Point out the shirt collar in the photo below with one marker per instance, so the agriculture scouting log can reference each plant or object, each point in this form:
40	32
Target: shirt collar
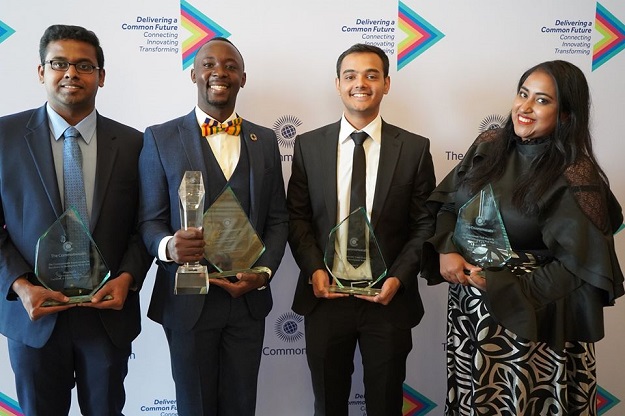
58	125
201	116
373	129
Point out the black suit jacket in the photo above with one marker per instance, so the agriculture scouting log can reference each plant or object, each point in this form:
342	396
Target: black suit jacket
399	217
31	202
169	150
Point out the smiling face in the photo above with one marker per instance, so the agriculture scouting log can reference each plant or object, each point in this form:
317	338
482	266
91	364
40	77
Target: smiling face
219	74
535	108
361	85
71	94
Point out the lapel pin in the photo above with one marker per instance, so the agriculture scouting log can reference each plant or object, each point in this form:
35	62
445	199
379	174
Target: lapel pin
253	137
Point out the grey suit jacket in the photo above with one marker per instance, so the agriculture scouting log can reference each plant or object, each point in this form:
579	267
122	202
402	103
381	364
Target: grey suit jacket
169	150
31	202
399	217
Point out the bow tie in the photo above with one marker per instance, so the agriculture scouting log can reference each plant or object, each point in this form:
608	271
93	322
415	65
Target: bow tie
232	127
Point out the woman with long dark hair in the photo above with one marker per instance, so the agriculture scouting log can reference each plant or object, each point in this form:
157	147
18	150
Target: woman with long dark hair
521	337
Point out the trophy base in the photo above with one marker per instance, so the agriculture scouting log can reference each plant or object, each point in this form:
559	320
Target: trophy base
191	280
229	274
73	300
364	291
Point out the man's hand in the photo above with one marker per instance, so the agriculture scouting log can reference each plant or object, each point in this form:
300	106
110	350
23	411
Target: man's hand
33	297
389	289
186	246
321	282
245	282
113	294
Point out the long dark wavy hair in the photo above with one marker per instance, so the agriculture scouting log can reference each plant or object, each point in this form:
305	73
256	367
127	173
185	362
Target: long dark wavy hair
570	141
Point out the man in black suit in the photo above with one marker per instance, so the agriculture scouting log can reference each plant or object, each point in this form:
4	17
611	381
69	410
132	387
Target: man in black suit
399	178
54	348
215	340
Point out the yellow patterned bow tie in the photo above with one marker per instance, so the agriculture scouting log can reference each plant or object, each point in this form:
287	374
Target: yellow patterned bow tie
232	127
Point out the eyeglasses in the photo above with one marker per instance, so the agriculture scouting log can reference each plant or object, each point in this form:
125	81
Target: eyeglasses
81	67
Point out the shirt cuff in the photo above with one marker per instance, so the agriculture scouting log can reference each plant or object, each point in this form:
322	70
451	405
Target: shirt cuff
162	249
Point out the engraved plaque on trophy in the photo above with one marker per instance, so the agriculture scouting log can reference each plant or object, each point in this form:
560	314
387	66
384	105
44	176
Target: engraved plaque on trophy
353	256
192	277
480	234
67	260
231	244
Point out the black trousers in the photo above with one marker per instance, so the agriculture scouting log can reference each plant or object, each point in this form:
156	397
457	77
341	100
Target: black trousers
333	330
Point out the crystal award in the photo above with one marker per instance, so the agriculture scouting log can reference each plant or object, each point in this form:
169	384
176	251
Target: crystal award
67	260
480	234
192	277
231	244
353	256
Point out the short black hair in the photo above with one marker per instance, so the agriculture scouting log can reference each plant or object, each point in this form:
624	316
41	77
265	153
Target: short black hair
222	39
362	48
62	32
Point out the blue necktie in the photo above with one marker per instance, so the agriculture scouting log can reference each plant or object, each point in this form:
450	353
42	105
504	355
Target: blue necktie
72	174
74	195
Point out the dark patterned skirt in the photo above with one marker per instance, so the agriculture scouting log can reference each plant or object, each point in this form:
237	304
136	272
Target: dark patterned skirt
491	371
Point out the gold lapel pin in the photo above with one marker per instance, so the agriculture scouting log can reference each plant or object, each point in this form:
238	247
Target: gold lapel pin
253	137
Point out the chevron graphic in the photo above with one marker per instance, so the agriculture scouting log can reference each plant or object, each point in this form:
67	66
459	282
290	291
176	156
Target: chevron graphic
9	407
415	404
612	41
605	401
420	35
202	29
5	31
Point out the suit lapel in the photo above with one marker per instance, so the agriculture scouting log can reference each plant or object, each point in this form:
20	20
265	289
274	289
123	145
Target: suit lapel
107	153
390	151
327	166
251	144
38	142
190	137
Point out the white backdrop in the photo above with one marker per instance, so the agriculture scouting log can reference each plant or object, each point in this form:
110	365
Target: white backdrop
465	80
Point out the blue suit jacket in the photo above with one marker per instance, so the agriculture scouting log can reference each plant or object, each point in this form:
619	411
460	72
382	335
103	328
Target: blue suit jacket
31	202
169	150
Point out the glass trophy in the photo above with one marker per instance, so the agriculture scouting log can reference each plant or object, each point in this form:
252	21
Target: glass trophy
67	260
353	256
232	245
192	277
480	234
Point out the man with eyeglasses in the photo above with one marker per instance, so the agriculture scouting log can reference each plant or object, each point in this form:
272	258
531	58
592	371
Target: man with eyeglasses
53	348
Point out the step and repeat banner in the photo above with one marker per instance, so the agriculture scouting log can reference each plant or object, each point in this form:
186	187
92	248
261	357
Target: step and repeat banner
454	69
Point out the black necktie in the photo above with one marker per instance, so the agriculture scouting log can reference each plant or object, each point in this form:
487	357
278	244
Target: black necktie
356	252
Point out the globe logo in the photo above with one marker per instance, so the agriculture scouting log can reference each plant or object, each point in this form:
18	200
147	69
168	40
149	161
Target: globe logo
494	121
287	327
285	128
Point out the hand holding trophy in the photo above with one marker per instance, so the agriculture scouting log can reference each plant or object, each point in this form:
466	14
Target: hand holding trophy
192	277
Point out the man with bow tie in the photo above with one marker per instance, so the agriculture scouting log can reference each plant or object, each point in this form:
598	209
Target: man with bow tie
215	340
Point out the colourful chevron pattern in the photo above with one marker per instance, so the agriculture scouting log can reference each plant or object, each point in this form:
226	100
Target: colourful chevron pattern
420	35
605	401
202	29
9	407
612	39
5	31
415	404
